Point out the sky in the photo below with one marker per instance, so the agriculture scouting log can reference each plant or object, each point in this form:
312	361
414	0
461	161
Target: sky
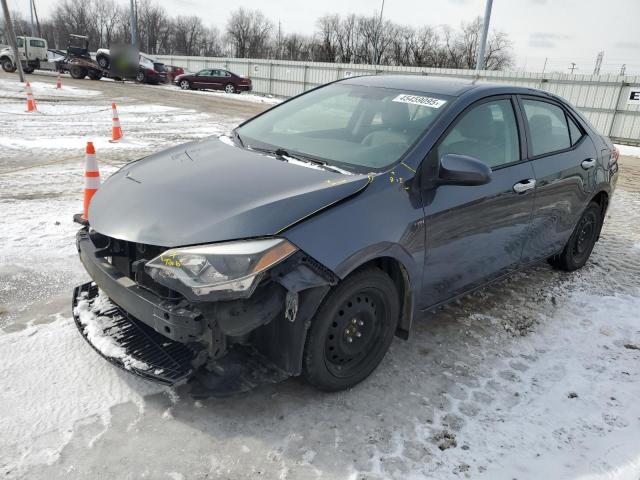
563	31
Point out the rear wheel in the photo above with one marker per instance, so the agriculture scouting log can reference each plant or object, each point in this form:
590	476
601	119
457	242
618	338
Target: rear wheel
78	72
352	331
95	74
229	88
580	245
28	70
185	84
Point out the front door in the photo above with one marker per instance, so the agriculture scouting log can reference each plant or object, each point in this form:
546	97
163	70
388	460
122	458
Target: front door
564	161
476	233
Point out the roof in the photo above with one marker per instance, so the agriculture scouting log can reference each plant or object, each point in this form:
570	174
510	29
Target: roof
427	84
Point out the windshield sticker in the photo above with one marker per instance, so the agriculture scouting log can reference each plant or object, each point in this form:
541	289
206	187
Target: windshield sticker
418	100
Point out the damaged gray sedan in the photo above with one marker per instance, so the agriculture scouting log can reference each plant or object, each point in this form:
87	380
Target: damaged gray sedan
306	240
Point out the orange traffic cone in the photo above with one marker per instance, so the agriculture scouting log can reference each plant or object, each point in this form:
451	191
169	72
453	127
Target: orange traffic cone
31	103
91	178
58	83
116	131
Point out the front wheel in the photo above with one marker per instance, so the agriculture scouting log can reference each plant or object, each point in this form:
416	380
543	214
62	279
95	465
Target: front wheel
8	66
185	85
352	331
578	249
229	88
141	77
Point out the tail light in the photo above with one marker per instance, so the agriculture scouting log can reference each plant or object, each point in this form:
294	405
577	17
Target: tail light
613	159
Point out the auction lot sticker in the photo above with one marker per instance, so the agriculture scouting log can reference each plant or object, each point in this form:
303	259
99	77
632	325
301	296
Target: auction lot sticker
418	100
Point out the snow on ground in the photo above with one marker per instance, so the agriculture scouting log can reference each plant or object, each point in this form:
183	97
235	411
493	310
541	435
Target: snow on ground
629	150
534	377
244	96
42	90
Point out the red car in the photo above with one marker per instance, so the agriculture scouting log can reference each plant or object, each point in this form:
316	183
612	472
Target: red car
173	72
214	79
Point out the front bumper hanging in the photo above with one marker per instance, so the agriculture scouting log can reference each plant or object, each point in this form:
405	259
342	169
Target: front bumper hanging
141	350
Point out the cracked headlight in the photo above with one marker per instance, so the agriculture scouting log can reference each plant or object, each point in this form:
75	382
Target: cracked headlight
218	271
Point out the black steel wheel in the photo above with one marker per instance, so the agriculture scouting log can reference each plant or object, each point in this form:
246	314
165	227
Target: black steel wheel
580	245
352	331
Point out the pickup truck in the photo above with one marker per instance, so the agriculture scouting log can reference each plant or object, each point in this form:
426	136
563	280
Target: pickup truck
32	50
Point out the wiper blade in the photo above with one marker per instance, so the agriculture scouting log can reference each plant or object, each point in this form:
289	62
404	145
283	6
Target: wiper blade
282	153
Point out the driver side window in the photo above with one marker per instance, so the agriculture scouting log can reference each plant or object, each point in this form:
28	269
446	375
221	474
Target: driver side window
488	132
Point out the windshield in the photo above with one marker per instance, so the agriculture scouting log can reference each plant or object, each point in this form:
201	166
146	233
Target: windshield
352	126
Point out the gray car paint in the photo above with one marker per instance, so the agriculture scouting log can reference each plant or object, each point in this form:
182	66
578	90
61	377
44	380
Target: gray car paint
208	191
448	239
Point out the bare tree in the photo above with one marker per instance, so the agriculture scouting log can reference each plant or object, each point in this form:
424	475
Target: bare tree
249	33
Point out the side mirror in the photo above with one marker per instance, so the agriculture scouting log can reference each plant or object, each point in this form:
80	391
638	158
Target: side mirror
462	170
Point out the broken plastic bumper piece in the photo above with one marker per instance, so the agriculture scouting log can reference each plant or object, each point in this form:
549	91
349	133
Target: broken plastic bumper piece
128	343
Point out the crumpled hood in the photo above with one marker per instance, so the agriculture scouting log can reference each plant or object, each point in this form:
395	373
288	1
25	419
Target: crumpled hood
209	191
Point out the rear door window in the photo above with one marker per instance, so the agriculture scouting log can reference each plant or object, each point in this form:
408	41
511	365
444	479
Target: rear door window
488	132
547	126
574	131
36	43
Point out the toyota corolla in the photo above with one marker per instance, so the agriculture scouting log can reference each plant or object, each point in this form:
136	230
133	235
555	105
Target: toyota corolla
314	233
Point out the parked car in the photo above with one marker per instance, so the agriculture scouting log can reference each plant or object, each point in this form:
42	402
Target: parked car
323	226
173	72
151	71
32	50
214	79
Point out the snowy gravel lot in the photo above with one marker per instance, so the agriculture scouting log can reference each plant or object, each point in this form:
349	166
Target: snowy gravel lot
535	377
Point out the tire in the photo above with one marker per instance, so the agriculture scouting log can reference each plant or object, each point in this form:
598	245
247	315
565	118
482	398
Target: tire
185	85
95	74
141	77
580	245
103	62
8	66
28	70
351	331
230	88
77	73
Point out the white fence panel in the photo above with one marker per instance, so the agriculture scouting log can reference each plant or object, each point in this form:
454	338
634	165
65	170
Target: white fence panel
602	98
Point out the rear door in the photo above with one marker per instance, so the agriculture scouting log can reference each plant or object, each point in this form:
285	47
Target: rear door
203	79
476	233
564	161
218	79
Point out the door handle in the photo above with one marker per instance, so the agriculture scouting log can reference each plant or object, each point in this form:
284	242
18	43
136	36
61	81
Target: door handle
524	186
588	163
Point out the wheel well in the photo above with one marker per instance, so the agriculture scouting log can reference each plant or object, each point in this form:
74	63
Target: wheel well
398	273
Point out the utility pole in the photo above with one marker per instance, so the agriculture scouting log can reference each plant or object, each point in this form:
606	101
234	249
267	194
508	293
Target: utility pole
596	69
544	67
33	30
483	38
572	67
12	39
376	58
134	22
623	69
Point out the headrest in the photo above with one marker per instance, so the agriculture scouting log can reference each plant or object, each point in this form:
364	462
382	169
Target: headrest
478	124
